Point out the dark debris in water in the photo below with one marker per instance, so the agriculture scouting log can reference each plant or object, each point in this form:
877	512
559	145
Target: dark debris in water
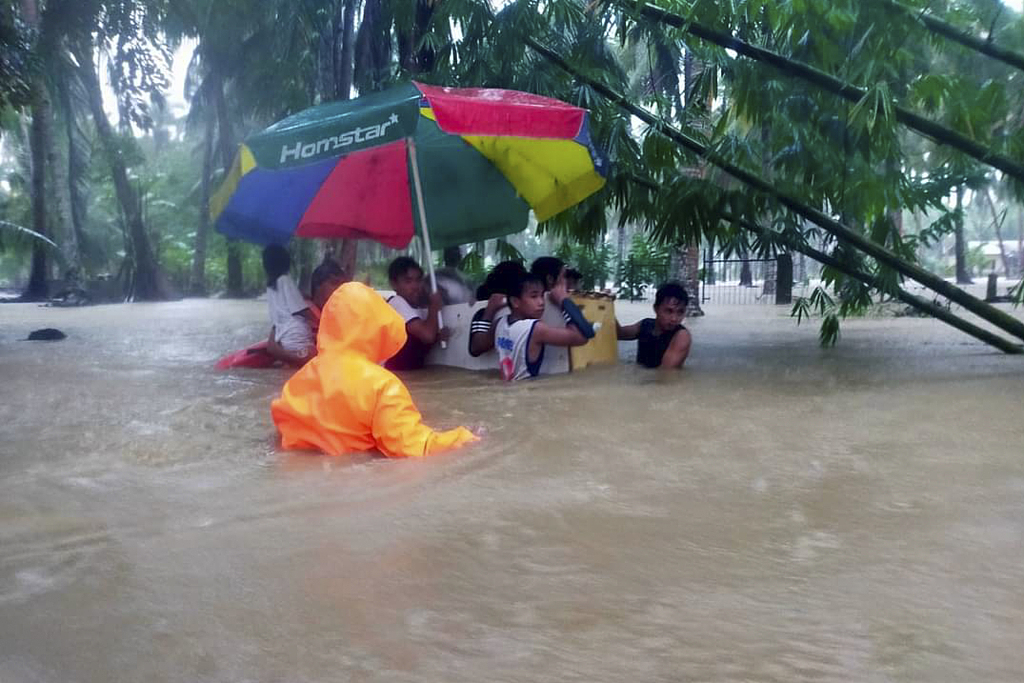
46	334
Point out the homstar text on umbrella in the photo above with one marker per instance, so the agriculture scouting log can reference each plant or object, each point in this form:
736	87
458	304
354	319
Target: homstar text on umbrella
304	151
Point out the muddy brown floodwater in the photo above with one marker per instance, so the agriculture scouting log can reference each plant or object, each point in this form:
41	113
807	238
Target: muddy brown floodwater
776	512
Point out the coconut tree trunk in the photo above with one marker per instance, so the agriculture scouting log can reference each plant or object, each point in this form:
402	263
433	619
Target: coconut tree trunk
685	264
963	277
997	224
78	161
412	60
147	282
235	287
60	202
197	279
344	53
746	277
1020	241
37	288
372	58
690	256
347	50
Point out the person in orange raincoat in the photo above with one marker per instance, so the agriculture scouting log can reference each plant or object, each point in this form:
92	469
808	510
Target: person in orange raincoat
343	400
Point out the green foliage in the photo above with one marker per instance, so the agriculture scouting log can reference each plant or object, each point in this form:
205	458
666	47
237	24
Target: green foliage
822	304
594	262
1017	293
17	62
646	265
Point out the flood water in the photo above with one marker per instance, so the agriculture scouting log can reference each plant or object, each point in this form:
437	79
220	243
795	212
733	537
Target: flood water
775	512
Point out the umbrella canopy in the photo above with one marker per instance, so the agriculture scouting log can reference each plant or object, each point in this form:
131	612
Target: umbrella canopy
485	158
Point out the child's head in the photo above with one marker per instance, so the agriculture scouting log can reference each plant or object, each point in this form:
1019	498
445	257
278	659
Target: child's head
526	298
406	278
548	269
670	305
326	278
276	262
502	278
572	279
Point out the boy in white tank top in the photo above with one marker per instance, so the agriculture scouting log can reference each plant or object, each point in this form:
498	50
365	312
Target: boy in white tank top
520	336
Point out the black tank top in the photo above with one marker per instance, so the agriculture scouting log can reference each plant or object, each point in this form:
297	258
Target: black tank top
651	347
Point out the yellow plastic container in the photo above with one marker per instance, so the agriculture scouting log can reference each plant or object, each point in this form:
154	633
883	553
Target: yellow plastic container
603	349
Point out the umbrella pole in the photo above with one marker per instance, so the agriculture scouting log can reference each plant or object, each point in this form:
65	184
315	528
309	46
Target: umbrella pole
423	226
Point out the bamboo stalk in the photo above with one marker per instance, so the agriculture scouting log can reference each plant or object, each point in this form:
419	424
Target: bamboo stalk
906	297
921	125
903	295
959	35
1000	319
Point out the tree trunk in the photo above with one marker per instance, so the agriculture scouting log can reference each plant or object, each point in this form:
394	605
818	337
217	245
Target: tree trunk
686	269
235	286
60	202
78	163
689	258
348	255
963	277
147	285
746	277
197	280
1020	240
620	249
348	50
998	225
38	289
325	76
409	58
373	49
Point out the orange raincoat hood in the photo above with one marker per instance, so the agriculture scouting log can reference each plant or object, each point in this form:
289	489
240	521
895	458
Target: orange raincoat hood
342	400
357	320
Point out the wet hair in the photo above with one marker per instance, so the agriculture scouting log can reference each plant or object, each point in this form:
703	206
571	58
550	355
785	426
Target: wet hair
324	272
276	262
671	290
524	281
547	267
400	266
501	279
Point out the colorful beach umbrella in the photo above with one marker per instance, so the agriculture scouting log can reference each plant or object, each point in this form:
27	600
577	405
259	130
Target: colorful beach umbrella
471	161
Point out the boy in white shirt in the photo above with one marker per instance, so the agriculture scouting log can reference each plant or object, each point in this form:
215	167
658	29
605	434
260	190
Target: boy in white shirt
421	324
520	337
290	316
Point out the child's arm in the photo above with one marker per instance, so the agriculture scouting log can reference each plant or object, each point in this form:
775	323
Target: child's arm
627	332
556	336
481	341
677	351
427	331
